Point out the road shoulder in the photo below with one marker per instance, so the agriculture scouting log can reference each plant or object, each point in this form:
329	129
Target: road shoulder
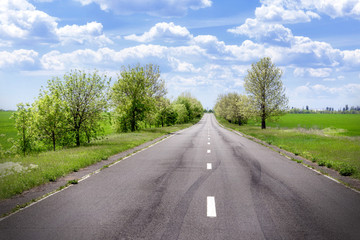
348	182
37	193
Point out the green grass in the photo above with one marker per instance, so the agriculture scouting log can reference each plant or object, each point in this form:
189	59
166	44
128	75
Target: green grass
49	166
331	124
7	129
338	151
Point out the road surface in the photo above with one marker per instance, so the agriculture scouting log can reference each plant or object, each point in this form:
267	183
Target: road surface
202	183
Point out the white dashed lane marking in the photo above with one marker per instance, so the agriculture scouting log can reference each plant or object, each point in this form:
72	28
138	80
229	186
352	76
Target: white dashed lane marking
211	209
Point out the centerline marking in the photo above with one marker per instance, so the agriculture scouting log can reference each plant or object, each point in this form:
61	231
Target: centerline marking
211	209
208	143
208	166
208	151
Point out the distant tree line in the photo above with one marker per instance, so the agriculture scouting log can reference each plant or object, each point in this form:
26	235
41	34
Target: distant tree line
70	111
327	110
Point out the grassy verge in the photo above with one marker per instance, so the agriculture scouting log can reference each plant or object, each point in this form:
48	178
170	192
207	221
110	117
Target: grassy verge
341	153
34	170
7	129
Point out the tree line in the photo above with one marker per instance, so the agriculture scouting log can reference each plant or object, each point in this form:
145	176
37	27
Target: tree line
327	110
265	96
70	110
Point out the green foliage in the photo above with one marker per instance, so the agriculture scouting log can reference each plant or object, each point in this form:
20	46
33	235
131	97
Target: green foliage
321	163
85	95
194	109
24	124
135	94
68	112
74	181
233	107
182	115
165	114
49	115
7	130
267	94
347	170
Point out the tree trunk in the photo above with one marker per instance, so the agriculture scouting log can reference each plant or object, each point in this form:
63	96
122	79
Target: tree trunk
88	136
263	117
133	122
263	124
78	137
24	141
53	140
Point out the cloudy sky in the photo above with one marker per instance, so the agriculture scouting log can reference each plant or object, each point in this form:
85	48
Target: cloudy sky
202	46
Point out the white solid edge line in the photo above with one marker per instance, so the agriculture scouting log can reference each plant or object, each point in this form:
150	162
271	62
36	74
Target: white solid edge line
208	166
211	209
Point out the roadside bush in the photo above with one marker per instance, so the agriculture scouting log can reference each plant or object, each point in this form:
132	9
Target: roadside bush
329	164
347	170
321	163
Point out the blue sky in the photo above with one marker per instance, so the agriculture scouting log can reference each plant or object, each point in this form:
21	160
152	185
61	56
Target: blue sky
202	46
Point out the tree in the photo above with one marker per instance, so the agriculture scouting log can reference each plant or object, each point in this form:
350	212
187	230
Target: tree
85	96
233	107
182	115
135	94
193	106
50	114
263	83
24	125
163	111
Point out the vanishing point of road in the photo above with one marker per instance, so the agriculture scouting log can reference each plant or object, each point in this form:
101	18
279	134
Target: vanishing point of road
204	182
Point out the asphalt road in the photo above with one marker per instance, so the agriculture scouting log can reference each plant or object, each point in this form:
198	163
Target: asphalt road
202	183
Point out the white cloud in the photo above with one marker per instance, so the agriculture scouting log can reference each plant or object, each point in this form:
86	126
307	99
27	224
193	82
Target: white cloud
103	57
277	13
320	89
181	66
262	31
329	79
304	10
22	58
91	32
19	21
152	7
313	72
166	31
352	57
21	24
212	45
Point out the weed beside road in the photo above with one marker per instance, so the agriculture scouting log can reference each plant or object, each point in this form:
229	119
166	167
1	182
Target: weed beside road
37	169
335	151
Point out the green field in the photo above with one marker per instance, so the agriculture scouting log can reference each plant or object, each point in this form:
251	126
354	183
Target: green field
7	129
336	124
329	139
